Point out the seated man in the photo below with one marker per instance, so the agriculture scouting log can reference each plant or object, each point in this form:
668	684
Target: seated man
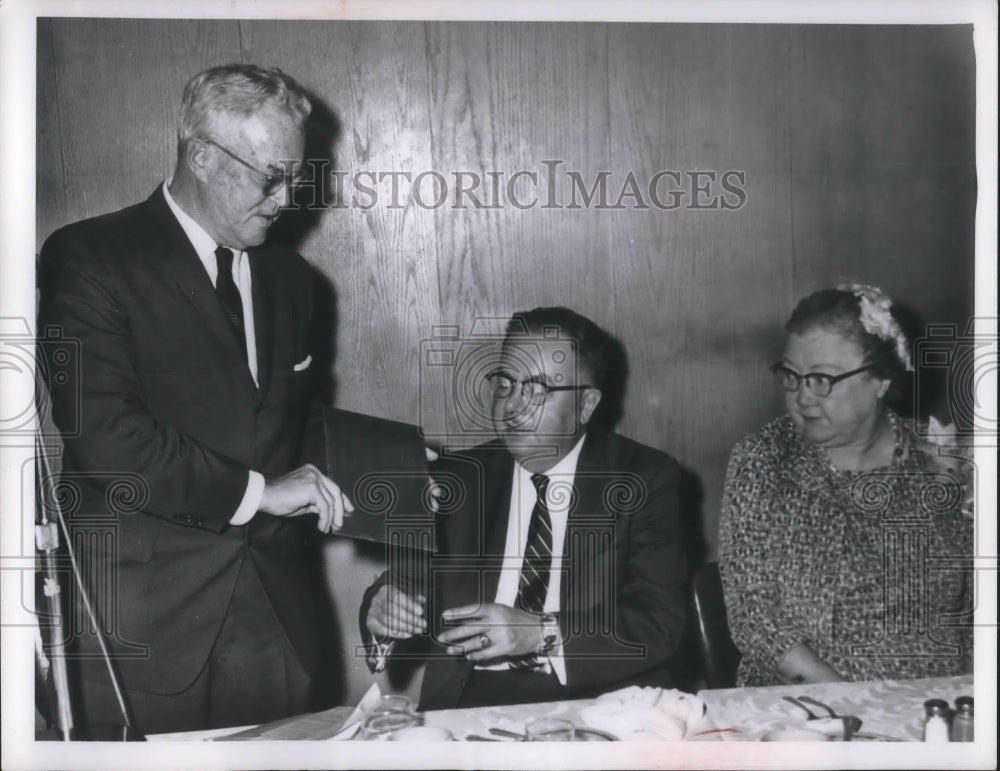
558	572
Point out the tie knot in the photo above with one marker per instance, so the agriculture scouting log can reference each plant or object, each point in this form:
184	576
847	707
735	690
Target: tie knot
224	259
541	483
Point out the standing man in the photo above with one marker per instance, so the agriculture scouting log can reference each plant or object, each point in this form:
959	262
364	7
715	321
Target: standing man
191	388
560	574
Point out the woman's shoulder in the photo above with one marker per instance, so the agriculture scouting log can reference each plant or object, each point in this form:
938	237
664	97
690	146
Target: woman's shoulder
935	445
777	437
944	459
772	447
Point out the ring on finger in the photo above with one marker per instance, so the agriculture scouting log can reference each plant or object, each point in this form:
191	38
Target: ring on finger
484	641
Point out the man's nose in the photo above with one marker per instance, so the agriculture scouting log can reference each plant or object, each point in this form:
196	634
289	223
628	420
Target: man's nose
282	196
517	403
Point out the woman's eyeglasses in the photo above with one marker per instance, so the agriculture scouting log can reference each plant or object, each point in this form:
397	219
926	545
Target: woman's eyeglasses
818	382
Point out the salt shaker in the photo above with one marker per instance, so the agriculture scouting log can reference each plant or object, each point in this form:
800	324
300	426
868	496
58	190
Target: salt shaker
935	721
962	723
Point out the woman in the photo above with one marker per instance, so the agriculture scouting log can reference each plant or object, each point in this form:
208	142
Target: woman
831	512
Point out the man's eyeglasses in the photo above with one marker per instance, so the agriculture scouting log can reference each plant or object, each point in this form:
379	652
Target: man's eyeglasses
536	390
819	383
271	182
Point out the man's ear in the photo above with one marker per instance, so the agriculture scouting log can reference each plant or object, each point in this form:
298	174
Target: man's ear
197	159
883	387
591	398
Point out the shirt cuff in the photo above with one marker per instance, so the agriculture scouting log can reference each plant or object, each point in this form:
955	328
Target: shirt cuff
557	662
378	654
251	500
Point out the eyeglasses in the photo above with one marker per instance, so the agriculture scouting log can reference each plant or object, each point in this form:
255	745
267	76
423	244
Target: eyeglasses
537	390
271	182
819	383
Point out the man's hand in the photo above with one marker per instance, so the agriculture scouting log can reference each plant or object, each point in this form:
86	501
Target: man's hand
306	491
508	632
396	614
436	492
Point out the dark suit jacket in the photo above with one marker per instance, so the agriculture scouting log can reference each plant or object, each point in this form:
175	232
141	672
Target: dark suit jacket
622	593
162	423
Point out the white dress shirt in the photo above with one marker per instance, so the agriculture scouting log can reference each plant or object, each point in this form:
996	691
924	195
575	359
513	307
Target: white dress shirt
205	246
522	501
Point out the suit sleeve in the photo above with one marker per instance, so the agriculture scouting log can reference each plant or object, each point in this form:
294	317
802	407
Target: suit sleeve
377	651
101	410
647	602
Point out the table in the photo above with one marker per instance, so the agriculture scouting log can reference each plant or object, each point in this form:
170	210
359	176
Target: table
890	707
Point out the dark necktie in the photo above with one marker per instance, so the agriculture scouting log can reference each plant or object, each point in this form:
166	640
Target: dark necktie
229	295
533	584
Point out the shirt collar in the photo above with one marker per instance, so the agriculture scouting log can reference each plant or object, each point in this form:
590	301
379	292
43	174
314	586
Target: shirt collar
204	245
564	468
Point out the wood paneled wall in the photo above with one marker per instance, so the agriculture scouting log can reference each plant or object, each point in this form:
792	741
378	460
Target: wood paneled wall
857	145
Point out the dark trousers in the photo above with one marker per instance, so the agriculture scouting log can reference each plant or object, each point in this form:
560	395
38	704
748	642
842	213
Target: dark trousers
513	686
252	676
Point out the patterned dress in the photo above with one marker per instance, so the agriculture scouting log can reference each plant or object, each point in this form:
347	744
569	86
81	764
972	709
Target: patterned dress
870	568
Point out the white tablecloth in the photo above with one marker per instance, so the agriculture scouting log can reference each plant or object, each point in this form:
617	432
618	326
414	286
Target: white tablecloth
890	707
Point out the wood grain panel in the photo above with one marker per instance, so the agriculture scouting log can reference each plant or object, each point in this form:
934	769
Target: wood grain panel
856	144
118	87
523	248
503	99
380	259
884	169
50	194
700	324
369	83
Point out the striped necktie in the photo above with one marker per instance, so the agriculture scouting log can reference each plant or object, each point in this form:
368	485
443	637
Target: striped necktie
533	585
229	295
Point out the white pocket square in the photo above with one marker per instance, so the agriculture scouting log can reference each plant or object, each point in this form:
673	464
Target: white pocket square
304	364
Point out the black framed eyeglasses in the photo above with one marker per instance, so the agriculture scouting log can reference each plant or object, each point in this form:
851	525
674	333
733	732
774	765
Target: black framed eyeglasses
271	182
503	386
818	382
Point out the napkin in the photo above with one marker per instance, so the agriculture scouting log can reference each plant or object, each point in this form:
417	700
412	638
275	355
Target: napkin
354	720
645	713
330	725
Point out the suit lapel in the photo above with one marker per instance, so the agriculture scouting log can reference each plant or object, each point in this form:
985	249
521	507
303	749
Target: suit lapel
182	265
483	535
495	516
588	516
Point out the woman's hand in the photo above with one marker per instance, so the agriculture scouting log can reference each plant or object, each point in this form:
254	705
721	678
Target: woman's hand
801	664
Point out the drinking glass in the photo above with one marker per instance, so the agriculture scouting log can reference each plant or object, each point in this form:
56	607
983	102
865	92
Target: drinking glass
379	727
392	702
550	729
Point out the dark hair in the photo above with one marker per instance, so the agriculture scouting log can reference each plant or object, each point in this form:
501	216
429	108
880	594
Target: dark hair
590	339
839	311
602	355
